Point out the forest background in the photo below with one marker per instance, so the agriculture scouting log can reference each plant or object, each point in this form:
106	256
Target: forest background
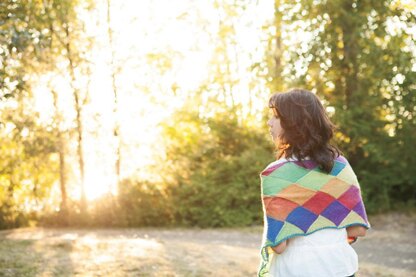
153	113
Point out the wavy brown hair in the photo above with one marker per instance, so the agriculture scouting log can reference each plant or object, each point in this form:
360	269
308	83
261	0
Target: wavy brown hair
307	130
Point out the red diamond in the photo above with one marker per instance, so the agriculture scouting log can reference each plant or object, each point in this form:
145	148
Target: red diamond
318	202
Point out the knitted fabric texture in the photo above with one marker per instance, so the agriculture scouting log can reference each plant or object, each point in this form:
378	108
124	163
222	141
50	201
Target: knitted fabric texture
299	199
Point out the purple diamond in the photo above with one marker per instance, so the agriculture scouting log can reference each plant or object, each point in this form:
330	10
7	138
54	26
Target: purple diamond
302	218
336	212
359	209
269	170
342	159
308	164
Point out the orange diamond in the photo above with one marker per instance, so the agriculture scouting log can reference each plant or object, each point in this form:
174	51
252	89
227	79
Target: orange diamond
279	208
296	193
335	187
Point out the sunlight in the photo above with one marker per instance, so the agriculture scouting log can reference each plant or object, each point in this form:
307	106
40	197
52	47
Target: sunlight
97	184
162	53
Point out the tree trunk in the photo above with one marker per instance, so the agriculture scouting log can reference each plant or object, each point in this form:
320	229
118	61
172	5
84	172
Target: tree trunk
62	156
350	65
79	126
116	128
278	51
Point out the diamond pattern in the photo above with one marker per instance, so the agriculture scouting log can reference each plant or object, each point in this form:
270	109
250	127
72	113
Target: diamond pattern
314	180
319	223
287	230
342	160
308	164
359	209
272	185
296	194
290	172
352	217
336	212
302	218
318	202
273	228
269	170
350	198
335	187
299	198
348	175
338	166
279	208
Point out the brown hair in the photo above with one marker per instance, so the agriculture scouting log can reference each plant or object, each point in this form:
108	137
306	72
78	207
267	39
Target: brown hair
307	130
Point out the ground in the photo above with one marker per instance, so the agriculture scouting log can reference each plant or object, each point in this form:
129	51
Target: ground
388	250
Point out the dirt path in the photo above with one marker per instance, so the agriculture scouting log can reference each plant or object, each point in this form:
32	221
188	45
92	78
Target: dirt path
388	250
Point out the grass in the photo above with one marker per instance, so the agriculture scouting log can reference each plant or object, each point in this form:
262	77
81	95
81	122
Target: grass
18	259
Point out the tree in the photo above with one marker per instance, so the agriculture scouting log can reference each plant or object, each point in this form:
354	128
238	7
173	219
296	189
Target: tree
24	38
114	70
62	152
211	168
67	30
349	55
27	50
28	166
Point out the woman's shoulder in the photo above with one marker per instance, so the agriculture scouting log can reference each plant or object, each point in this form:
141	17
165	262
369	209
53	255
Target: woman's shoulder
277	162
341	159
273	166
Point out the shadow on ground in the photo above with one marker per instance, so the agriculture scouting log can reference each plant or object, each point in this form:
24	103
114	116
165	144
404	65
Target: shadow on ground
386	251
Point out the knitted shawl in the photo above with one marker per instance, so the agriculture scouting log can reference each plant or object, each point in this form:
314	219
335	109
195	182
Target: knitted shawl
299	199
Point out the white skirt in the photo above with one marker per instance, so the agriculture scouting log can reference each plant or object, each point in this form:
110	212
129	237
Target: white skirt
325	253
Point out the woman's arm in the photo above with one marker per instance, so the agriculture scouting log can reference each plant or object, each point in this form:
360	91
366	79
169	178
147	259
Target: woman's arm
356	231
280	247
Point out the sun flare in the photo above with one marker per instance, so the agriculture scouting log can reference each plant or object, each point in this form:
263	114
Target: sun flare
162	52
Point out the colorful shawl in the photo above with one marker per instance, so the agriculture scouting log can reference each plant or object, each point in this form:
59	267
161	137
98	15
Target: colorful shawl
299	199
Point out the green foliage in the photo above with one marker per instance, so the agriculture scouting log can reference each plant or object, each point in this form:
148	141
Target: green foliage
20	35
25	40
212	169
143	204
28	167
357	59
137	204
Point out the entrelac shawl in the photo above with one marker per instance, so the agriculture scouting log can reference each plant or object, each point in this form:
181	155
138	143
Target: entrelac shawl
299	199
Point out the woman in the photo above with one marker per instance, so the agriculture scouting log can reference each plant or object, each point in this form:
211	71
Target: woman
311	197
